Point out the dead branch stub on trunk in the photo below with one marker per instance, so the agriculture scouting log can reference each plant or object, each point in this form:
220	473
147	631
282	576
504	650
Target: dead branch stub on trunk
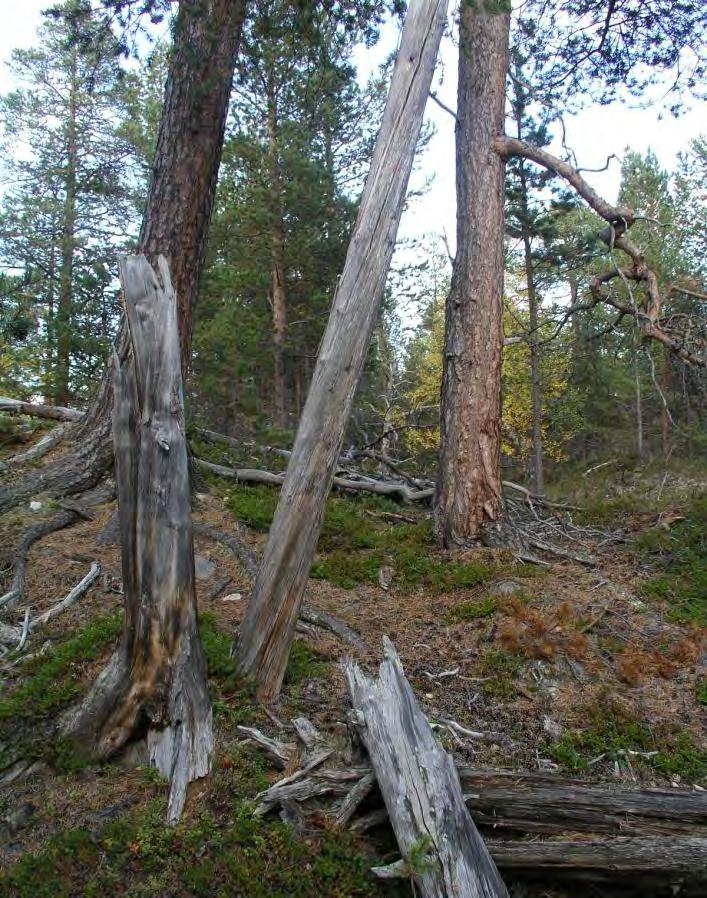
442	850
156	681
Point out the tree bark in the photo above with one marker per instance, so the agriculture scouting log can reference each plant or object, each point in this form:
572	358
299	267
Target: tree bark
264	644
66	274
659	866
469	504
277	241
176	217
156	681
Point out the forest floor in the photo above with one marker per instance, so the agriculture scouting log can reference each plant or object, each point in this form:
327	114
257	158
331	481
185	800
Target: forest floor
576	666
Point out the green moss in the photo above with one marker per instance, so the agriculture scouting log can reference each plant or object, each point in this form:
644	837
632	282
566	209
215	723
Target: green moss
232	699
701	691
253	505
474	610
609	730
681	553
212	855
304	664
502	668
56	677
355	542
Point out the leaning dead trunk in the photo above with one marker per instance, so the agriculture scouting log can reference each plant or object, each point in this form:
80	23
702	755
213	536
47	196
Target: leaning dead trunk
155	683
469	502
266	636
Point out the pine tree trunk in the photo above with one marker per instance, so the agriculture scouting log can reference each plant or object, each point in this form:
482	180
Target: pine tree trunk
277	240
155	683
176	218
469	503
535	383
664	412
66	276
266	635
639	407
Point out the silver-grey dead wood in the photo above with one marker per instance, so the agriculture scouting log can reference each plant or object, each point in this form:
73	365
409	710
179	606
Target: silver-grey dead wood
266	635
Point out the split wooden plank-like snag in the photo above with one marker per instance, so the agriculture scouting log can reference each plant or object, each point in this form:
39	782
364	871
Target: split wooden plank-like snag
155	684
442	851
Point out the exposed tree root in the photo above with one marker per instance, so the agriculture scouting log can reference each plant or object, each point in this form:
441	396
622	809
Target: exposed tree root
243	552
39	450
13	596
249	560
74	472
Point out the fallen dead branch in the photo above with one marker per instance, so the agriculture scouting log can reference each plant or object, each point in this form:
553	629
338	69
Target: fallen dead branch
34	410
393	489
69	599
19	636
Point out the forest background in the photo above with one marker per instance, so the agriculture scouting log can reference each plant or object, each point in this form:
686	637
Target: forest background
298	143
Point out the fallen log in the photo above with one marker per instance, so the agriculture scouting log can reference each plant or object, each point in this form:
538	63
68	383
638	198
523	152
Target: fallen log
547	803
442	851
400	492
35	410
538	803
657	865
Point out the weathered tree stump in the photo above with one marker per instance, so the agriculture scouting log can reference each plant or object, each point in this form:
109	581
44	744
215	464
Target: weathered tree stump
442	851
155	684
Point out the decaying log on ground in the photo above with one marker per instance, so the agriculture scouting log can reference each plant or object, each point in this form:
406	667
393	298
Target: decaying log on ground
34	410
547	803
536	803
393	489
443	852
157	678
669	866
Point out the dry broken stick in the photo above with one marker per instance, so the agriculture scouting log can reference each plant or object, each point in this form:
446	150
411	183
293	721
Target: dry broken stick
18	636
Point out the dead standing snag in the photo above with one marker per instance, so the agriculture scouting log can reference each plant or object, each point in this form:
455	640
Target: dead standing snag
155	684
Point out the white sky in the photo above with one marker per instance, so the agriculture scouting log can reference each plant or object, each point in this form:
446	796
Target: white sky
593	134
